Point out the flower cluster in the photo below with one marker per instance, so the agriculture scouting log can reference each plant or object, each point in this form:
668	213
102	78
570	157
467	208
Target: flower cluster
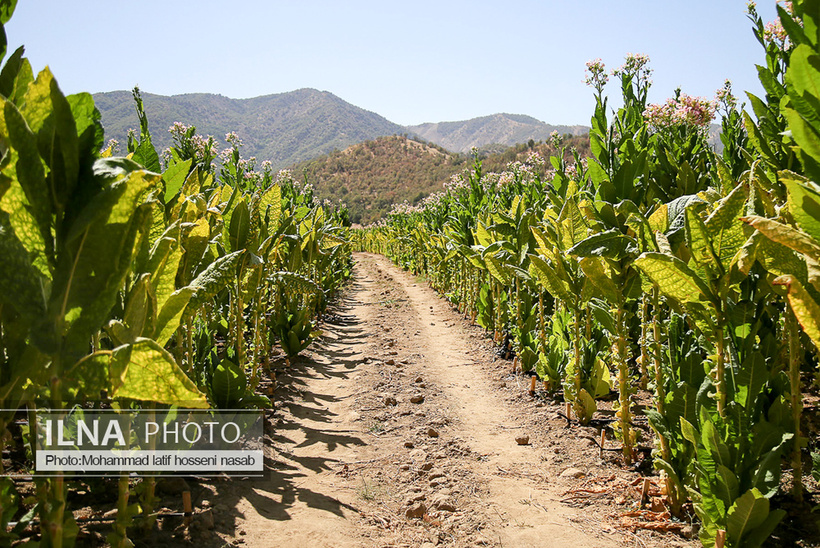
774	33
685	111
433	200
203	146
404	208
596	76
635	64
725	99
284	176
114	145
535	161
457	182
556	139
233	139
178	130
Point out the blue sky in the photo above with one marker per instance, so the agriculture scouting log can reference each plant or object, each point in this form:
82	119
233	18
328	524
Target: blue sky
412	62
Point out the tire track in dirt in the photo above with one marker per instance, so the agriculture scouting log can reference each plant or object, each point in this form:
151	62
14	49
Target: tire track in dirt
391	432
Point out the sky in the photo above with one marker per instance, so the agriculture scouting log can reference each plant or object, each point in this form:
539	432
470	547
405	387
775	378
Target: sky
411	62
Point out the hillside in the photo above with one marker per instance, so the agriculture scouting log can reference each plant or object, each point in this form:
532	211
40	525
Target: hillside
285	128
504	129
373	175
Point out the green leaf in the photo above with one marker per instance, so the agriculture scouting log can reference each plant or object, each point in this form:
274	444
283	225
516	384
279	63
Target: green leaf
805	308
611	244
688	431
100	247
549	279
497	269
271	205
15	76
786	235
228	384
171	314
674	278
747	513
596	270
174	178
804	205
572	223
699	242
588	406
21	284
195	242
211	280
48	114
152	375
725	229
239	227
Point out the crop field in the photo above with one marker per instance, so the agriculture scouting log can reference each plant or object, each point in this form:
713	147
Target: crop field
614	350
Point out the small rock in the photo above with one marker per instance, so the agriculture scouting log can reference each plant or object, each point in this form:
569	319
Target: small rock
417	398
573	473
111	514
409	444
404	467
416	510
689	531
522	440
657	505
419	379
432	432
391	361
427	466
443	502
205	503
390	400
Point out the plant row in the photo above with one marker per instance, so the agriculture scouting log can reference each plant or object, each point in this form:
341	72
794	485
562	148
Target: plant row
659	264
128	283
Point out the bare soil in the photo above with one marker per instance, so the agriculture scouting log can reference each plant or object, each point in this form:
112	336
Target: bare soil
402	427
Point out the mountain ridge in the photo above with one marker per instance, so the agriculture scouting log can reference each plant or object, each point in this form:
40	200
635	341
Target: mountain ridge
296	126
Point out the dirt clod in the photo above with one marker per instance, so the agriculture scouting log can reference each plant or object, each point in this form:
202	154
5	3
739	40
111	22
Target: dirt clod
416	510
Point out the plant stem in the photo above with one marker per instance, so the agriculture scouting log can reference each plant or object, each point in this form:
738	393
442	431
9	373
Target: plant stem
796	402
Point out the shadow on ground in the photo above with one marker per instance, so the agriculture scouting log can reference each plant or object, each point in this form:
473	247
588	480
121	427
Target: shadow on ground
332	355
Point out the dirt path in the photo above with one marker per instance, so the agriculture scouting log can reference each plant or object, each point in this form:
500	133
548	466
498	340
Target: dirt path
399	428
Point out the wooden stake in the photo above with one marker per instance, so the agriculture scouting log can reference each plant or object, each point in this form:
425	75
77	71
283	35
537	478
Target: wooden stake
720	539
569	408
533	380
645	491
186	507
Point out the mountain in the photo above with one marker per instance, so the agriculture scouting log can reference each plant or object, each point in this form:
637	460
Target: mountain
284	128
288	128
371	176
504	129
